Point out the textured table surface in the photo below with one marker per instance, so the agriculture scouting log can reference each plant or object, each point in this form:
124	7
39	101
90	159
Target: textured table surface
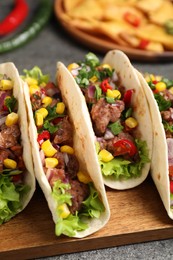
51	45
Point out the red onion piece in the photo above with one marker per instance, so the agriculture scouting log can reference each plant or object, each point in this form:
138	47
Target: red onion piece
108	135
170	150
91	91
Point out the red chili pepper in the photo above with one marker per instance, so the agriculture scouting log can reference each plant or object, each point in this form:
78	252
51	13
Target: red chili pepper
105	85
14	18
128	96
132	19
143	44
43	136
124	146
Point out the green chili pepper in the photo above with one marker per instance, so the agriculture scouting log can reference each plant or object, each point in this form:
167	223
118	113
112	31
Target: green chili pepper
43	15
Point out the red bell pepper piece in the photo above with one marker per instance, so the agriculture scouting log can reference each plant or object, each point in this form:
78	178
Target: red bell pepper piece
132	19
124	146
43	136
127	97
143	44
105	85
14	18
171	186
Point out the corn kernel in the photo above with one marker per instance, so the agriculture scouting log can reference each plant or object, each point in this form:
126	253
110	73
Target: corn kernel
39	119
160	86
31	81
60	107
66	149
6	84
83	177
105	156
131	122
72	66
113	93
149	77
93	79
63	210
33	89
48	148
10	164
171	90
106	66
42	111
51	162
46	101
11	119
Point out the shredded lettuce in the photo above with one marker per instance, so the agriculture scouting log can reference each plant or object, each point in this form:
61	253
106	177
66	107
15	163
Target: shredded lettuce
36	73
92	208
10	198
124	169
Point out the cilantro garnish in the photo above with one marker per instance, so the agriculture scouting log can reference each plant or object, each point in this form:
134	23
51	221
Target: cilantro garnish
10	103
52	114
168	127
50	127
162	103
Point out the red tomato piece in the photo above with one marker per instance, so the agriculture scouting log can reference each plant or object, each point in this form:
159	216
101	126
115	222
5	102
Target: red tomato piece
125	146
132	19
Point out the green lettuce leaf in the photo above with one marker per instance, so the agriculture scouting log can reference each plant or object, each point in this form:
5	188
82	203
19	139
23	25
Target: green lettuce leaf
36	73
10	198
124	169
92	206
69	226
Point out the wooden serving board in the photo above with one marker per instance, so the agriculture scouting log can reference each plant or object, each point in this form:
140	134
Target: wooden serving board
137	215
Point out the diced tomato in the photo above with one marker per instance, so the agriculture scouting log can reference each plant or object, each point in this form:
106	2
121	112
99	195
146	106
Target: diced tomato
44	135
171	187
105	85
143	44
57	120
124	146
171	170
127	97
132	19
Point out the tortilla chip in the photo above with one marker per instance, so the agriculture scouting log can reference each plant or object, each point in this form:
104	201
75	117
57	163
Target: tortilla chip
156	33
116	13
149	5
112	30
164	13
86	10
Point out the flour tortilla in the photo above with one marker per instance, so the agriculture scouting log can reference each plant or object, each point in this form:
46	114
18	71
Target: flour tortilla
94	224
159	162
11	71
72	93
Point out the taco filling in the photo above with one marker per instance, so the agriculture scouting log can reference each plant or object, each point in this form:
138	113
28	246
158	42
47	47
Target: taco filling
162	89
12	166
72	189
121	155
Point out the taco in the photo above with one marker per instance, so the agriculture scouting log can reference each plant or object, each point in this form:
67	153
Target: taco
159	93
118	120
74	191
17	180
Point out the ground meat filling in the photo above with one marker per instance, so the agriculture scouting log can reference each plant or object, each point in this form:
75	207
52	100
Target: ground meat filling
72	166
102	113
79	192
9	136
64	133
36	101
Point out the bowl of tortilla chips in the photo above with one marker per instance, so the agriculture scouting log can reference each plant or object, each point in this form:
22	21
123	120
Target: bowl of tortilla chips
142	29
